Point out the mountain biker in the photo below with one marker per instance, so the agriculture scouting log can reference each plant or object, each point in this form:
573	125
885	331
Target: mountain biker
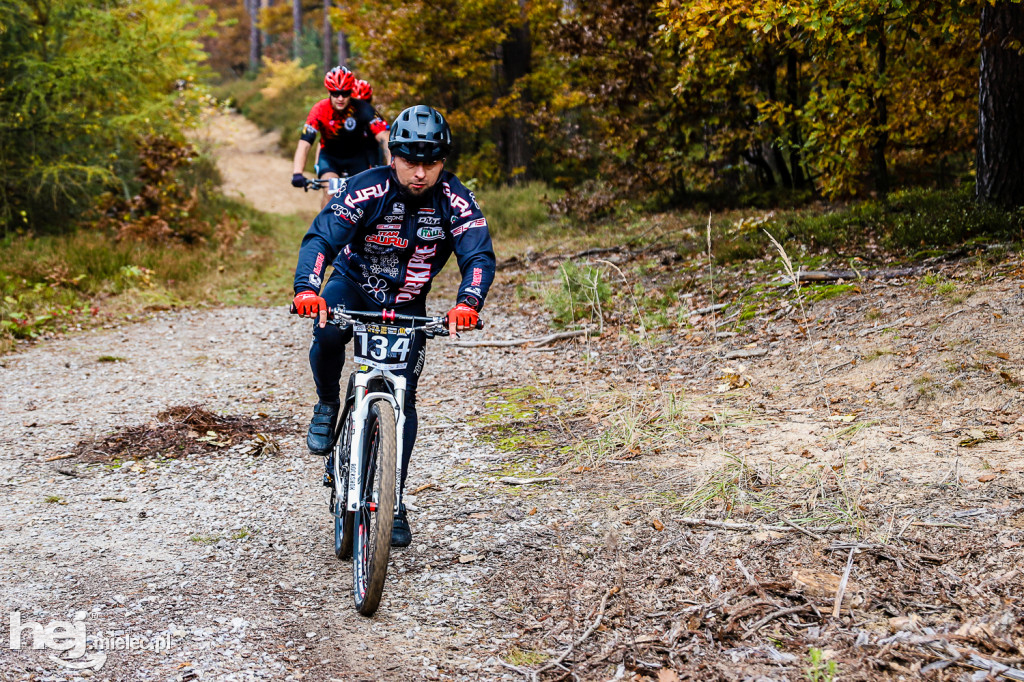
388	232
344	123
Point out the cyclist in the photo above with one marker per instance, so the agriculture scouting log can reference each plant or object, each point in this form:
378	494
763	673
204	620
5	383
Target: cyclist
344	123
388	232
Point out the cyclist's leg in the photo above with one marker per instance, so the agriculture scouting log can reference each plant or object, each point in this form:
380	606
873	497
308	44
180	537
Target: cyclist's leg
327	352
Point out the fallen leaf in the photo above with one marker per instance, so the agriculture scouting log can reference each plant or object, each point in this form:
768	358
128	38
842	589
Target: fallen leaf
467	558
845	418
667	675
985	478
658	526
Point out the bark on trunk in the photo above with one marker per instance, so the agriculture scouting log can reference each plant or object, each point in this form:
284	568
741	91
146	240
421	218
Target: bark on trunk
515	143
793	99
342	49
1000	154
296	29
881	118
327	37
253	7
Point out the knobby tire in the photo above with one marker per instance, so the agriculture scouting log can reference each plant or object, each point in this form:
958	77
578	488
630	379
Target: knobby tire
372	546
344	520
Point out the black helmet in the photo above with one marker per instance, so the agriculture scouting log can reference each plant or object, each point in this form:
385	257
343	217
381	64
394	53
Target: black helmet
420	134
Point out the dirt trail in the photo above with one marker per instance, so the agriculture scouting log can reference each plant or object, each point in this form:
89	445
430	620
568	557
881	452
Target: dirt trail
914	468
251	164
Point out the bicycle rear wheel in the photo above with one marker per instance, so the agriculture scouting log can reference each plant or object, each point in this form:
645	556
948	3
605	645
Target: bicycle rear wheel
372	542
344	520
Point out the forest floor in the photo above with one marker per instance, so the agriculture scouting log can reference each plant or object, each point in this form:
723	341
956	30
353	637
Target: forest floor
823	484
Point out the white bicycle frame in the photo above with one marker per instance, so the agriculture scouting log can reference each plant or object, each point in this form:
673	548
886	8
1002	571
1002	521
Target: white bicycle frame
360	410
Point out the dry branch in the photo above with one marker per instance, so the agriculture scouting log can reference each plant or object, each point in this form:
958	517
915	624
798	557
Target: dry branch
745	353
539	341
583	637
732	525
832	275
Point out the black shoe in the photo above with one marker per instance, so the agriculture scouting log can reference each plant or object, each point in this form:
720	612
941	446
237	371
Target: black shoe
401	534
320	437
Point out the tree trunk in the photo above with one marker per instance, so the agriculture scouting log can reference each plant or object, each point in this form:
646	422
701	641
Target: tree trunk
296	29
878	150
515	62
327	36
792	99
1000	154
253	8
342	49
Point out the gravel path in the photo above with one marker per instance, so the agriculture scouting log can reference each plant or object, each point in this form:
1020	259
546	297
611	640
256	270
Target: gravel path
227	557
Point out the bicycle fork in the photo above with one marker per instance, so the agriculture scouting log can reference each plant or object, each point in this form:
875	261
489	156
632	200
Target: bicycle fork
363	401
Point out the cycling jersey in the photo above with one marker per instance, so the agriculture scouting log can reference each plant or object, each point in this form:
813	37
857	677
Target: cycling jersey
392	244
343	133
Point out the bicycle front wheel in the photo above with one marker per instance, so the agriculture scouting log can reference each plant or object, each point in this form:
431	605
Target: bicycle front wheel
372	545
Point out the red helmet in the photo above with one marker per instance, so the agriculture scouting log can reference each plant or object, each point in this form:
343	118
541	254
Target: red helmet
339	78
362	90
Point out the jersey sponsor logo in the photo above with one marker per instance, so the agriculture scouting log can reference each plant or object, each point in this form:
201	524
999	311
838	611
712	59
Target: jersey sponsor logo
350	124
389	239
308	130
426	211
479	222
478	276
429	220
398	208
393	218
376	287
319	263
417	273
430	233
472	290
345	214
459	204
385	226
367	193
315	281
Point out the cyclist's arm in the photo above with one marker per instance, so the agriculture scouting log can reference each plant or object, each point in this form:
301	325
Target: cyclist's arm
303	147
330	231
382	140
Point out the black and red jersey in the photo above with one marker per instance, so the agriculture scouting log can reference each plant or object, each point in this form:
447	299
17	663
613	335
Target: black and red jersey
343	133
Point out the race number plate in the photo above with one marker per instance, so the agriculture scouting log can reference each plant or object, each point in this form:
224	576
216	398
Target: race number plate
382	346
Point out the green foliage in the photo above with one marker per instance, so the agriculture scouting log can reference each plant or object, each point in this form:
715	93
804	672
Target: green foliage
82	82
581	297
56	283
818	669
838	93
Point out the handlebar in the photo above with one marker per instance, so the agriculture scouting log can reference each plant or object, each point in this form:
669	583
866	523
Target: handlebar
332	184
338	315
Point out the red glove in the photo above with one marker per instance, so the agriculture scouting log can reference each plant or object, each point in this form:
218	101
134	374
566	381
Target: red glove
309	304
462	317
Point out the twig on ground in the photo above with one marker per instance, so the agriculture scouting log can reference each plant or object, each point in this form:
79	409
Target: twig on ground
746	573
56	457
802	530
942	524
512	480
732	525
770	617
745	353
590	630
538	341
842	585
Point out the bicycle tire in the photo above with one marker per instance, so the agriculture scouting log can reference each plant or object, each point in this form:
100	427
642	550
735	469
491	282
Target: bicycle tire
344	520
372	541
